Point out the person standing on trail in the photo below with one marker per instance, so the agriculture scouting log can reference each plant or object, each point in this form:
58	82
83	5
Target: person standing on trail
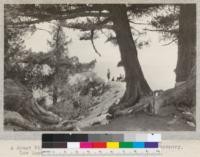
113	79
108	74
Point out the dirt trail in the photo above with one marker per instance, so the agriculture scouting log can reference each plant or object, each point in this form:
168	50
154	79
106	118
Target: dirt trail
143	122
171	119
98	112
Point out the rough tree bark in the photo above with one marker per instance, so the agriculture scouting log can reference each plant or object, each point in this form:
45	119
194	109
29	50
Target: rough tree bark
136	84
186	42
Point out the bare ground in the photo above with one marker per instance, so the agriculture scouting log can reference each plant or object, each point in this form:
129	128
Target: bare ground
143	122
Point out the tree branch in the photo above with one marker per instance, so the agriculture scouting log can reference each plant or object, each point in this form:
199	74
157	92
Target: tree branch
138	23
86	8
162	30
90	26
170	42
92	41
138	32
87	27
44	30
59	17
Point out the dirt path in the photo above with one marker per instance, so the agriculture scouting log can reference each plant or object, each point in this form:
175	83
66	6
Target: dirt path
143	122
98	112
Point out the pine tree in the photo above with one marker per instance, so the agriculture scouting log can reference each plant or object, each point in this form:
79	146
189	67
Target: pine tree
58	44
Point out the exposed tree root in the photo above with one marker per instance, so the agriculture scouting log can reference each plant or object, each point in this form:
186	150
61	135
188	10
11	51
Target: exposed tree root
21	110
44	115
182	94
15	119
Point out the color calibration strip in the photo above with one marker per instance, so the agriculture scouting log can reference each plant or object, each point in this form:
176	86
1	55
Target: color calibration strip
111	145
100	141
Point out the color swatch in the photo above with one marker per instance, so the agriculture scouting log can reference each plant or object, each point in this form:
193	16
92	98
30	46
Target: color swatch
103	141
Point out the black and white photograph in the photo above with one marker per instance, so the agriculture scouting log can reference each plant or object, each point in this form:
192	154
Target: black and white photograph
100	67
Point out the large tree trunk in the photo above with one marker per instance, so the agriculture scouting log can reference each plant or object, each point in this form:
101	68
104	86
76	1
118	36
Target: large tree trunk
186	42
136	85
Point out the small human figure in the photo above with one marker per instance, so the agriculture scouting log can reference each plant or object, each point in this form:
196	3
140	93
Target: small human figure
120	77
113	79
108	74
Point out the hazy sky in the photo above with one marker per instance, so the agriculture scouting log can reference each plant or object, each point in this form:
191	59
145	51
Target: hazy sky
158	62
